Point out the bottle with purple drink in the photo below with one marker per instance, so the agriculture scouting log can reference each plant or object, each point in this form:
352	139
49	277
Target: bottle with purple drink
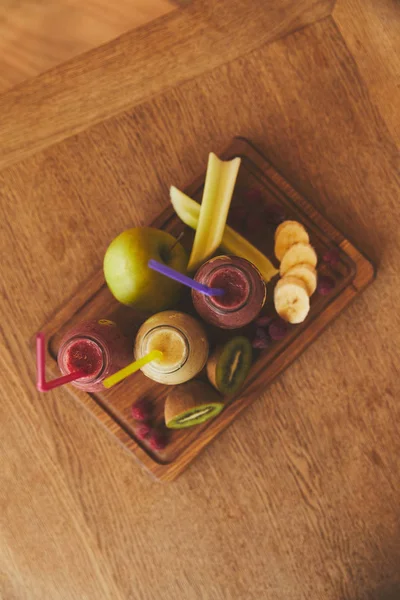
244	292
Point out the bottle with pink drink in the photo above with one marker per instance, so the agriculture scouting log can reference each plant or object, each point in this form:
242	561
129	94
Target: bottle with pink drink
98	348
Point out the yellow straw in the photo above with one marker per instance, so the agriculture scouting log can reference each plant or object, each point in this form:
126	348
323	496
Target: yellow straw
132	368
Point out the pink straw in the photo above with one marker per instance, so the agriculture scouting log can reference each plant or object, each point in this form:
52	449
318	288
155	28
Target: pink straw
41	383
184	279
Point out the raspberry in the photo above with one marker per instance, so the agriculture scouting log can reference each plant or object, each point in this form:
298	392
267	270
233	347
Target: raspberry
325	285
261	339
142	410
158	438
142	431
332	257
263	321
278	329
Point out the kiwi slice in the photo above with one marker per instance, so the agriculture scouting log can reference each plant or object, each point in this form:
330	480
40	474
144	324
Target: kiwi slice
191	403
229	365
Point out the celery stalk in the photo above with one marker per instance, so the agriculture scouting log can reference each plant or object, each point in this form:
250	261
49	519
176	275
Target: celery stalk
188	211
218	190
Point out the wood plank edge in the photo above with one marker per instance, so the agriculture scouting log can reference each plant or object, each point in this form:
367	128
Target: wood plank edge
65	101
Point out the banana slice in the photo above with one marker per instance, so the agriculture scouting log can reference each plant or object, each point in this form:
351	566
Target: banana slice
287	234
297	254
307	274
283	225
291	299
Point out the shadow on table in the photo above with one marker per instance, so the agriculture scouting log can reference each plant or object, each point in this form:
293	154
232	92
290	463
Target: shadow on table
387	591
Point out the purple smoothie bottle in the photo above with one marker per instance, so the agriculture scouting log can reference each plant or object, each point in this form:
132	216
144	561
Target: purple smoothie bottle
244	295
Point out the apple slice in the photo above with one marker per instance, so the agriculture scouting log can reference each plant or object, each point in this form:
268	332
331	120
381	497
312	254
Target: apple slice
218	189
188	211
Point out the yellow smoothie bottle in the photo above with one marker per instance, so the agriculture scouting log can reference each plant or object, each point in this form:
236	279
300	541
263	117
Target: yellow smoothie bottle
182	341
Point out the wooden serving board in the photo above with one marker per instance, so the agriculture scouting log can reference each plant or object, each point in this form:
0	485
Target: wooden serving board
267	187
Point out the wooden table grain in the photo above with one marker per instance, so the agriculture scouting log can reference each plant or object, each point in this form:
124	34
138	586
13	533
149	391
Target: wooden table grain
299	498
37	35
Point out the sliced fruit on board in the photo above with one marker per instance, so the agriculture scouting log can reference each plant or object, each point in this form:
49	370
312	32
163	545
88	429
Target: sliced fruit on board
218	190
307	274
291	299
298	254
188	211
190	404
229	365
287	234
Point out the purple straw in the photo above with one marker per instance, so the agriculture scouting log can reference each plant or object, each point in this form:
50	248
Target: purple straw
195	285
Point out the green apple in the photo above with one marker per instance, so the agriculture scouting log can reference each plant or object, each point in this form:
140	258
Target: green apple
130	279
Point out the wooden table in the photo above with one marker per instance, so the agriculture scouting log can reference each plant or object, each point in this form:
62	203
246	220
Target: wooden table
300	498
36	35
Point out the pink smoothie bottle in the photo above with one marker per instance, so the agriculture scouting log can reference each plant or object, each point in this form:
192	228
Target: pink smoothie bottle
98	348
